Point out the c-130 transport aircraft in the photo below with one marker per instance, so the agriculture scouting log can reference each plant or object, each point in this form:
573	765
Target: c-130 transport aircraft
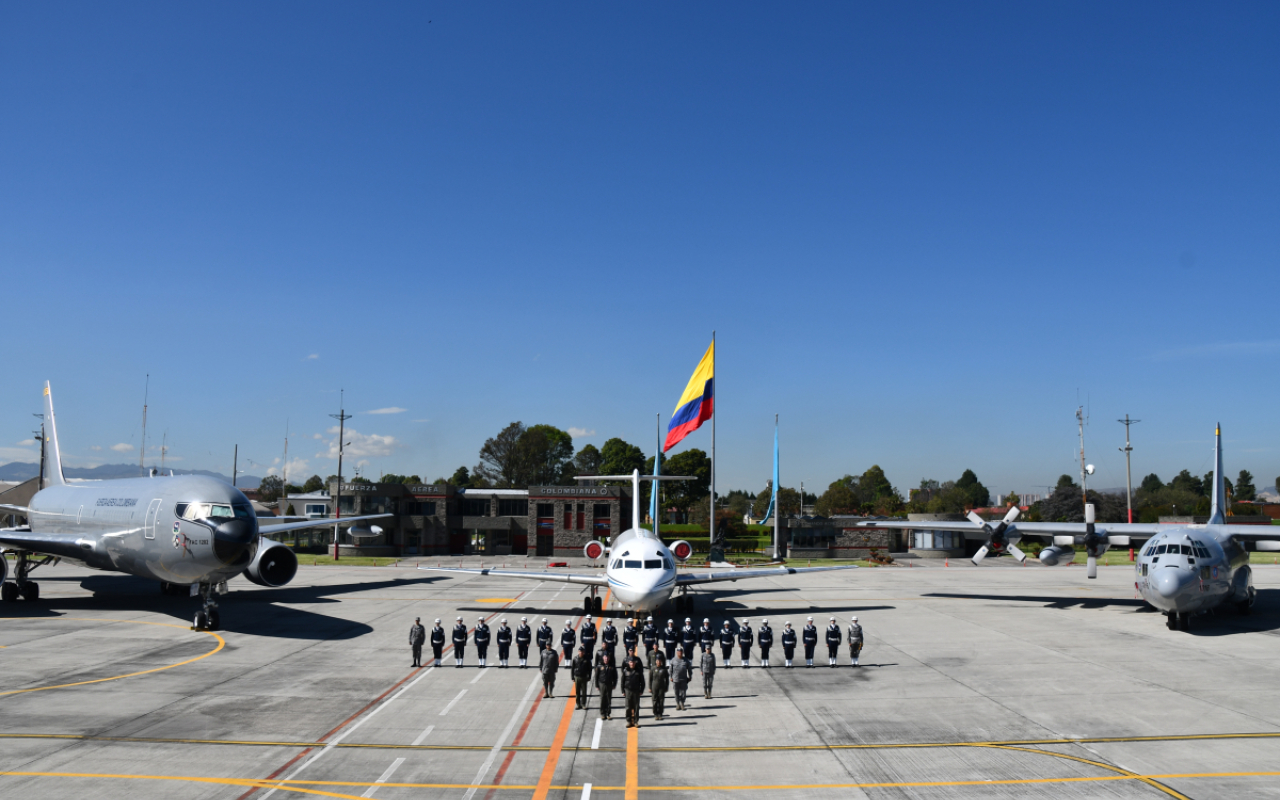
1181	570
192	533
640	572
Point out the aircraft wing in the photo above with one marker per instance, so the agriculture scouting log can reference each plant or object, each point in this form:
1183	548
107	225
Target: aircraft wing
268	530
1138	530
688	578
1252	533
596	579
14	509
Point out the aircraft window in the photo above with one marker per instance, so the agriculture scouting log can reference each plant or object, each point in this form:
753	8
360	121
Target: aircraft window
220	511
617	563
196	511
243	511
631	564
180	510
653	563
1186	549
666	563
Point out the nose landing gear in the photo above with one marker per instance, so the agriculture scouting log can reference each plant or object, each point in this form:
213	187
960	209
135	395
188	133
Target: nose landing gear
208	618
1178	621
593	603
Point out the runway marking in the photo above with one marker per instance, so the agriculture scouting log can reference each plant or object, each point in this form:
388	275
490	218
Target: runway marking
453	702
595	738
480	675
511	751
586	791
497	599
632	789
497	748
395	765
1101	765
423	735
221	644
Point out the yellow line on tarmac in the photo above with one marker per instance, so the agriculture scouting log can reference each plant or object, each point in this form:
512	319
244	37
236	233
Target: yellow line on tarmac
221	644
1100	765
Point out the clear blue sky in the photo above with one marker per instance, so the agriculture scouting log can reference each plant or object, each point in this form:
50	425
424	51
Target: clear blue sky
921	231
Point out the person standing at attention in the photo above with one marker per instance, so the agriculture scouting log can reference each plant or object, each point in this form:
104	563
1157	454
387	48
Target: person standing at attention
417	638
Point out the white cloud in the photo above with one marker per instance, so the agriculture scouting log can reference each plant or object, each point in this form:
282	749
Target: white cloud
578	433
299	469
316	436
122	447
387	410
8	454
362	445
312	357
25	443
95	447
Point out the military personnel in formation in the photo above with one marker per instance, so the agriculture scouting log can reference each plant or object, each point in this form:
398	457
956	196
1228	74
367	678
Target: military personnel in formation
708	668
788	643
503	638
417	638
437	642
810	637
649	637
544	636
548	665
481	637
706	636
855	641
459	643
632	688
630	638
568	638
659	680
587	637
670	639
726	644
580	671
688	636
524	635
765	640
834	637
746	638
681	674
606	681
609	640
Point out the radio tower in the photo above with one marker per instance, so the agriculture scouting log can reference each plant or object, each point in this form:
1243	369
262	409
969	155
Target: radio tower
1128	474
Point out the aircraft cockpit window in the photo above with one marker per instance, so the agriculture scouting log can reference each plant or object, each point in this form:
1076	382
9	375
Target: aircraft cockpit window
243	511
1186	549
196	511
180	510
666	563
617	564
220	512
631	564
653	563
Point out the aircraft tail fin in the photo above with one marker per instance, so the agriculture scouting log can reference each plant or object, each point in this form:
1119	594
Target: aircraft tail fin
1217	510
52	455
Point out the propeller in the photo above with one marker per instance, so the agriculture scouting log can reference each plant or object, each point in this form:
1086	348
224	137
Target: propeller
1094	545
997	539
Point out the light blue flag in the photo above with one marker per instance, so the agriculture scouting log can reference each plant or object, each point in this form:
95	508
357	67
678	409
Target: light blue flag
774	498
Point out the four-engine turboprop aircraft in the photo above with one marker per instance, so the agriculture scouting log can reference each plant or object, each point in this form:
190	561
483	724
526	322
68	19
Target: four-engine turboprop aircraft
641	571
1181	570
190	532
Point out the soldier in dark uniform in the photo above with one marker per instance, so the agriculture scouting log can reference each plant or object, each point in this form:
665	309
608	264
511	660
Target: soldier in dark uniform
726	644
437	642
649	636
706	636
587	636
746	638
834	637
855	641
810	638
630	638
765	638
523	637
548	664
417	637
633	688
481	638
708	672
788	643
609	640
606	681
688	637
504	644
568	638
670	638
659	680
681	674
459	643
544	635
580	670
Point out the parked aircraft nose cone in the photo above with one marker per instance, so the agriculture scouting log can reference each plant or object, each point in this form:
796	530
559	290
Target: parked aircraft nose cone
1170	582
234	539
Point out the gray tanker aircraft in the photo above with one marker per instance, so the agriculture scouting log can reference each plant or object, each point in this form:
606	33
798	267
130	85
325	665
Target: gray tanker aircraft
1181	570
190	532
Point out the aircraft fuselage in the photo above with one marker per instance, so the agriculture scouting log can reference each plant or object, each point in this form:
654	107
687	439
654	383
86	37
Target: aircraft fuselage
1193	568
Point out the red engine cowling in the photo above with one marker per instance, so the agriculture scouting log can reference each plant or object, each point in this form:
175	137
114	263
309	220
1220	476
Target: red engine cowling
593	550
681	550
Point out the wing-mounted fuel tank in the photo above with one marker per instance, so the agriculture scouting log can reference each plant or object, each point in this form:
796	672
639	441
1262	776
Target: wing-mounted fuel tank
274	565
681	550
593	550
1057	555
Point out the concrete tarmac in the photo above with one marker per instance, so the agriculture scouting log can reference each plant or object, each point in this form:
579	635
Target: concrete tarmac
999	681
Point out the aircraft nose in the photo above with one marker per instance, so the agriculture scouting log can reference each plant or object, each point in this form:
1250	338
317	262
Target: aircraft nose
1171	581
233	539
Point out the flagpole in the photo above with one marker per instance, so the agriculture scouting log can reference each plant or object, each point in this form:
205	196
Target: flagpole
657	459
777	525
716	547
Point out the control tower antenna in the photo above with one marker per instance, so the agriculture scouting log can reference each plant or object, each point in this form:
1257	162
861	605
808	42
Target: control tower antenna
142	451
1084	469
1128	473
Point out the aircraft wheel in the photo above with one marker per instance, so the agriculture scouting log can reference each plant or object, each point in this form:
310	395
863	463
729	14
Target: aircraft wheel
587	604
1171	621
9	592
1184	622
30	591
215	620
598	604
201	622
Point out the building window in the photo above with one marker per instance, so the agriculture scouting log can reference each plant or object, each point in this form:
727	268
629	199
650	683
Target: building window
582	516
600	519
513	508
422	508
568	516
317	510
475	508
938	540
546	510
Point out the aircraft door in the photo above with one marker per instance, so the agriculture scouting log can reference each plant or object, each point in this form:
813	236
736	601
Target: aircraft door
149	525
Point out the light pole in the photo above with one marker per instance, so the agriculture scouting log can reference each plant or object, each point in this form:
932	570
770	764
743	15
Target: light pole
1128	474
342	416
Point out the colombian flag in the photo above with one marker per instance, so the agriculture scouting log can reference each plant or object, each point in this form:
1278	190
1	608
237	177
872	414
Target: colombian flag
695	406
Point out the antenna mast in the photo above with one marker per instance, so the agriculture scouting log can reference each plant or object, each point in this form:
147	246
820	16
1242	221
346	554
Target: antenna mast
1128	473
1084	491
284	465
342	416
142	451
164	449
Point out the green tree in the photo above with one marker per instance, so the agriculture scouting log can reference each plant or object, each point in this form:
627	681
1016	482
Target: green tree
739	502
684	494
461	478
621	458
978	494
313	484
360	479
270	488
1065	481
1012	499
588	461
545	455
841	497
788	501
1186	482
500	457
1152	483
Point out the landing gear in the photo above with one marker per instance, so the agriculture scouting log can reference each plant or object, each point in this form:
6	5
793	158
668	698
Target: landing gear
20	586
207	618
593	603
9	592
1246	605
683	601
1178	622
30	591
175	589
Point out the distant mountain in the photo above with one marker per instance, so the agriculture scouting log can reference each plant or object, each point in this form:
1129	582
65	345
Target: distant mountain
21	471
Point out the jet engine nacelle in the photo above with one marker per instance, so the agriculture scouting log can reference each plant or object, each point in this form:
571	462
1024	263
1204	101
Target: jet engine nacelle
681	550
1057	556
274	565
1268	546
593	550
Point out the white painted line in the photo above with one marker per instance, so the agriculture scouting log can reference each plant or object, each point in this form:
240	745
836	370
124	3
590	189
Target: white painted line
586	791
479	675
453	702
497	748
385	777
595	739
424	735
